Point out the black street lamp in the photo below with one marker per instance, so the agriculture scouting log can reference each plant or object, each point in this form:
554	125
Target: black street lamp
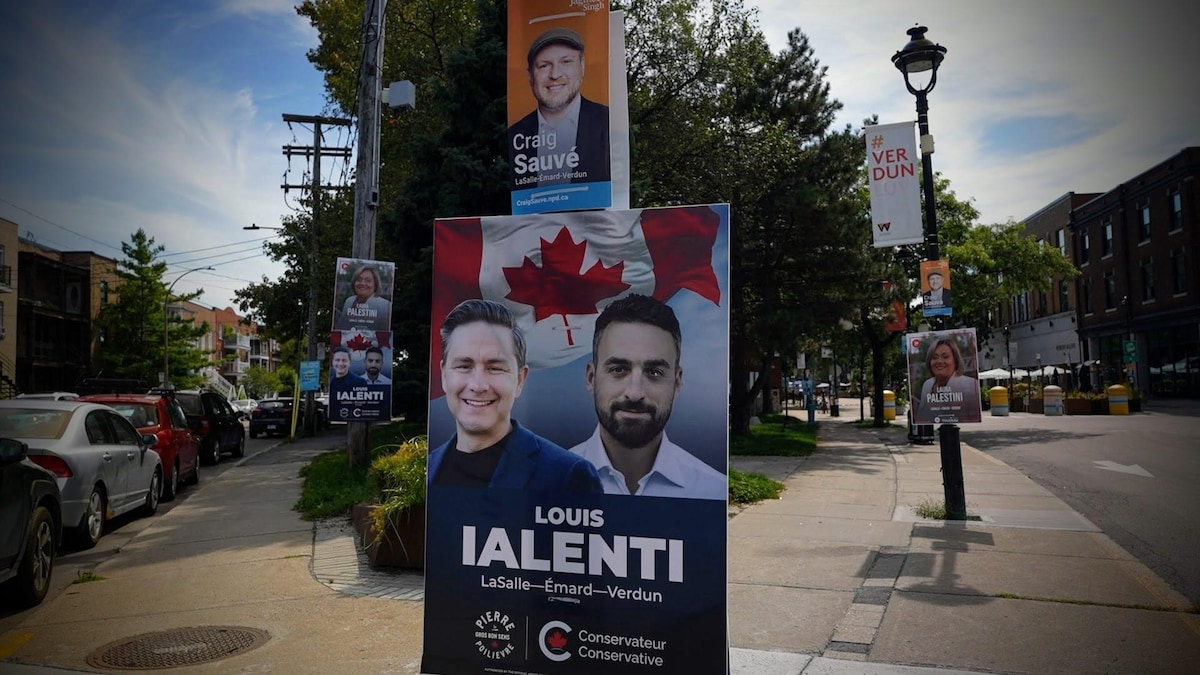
918	58
1008	358
1128	337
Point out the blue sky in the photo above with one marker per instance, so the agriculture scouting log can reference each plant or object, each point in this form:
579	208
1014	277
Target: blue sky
167	115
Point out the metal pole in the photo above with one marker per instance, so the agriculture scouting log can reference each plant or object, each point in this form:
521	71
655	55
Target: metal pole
366	195
949	445
932	252
167	324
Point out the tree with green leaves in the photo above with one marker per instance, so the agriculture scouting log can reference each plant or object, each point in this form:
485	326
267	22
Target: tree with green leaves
990	264
132	331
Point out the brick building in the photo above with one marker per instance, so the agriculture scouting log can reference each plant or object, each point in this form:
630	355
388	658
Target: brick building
1138	249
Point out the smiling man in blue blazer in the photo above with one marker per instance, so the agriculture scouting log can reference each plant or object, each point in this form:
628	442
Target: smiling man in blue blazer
483	373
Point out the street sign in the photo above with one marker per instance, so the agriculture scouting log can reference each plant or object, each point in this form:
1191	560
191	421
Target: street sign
310	376
1130	351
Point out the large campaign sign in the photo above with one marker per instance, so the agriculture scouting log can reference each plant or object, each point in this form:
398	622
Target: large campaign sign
559	141
943	376
362	294
625	574
360	371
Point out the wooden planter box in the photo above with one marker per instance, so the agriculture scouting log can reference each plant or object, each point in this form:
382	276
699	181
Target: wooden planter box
1135	405
1036	407
1099	406
1016	405
403	544
1077	406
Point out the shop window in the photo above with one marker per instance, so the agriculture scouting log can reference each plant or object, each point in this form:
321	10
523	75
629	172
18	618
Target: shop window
1148	280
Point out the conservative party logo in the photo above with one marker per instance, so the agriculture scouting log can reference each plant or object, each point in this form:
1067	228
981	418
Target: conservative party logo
554	641
493	634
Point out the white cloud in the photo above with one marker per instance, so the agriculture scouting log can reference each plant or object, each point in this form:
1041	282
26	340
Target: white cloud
107	136
1118	72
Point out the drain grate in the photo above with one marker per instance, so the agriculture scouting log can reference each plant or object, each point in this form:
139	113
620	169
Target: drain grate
177	647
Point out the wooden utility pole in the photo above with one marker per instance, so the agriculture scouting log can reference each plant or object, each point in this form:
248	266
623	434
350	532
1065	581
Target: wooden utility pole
316	152
366	189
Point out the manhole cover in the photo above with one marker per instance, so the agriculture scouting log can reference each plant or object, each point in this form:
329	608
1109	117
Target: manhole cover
178	647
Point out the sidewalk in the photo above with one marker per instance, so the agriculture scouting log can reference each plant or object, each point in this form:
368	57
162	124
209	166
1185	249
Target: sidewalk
836	577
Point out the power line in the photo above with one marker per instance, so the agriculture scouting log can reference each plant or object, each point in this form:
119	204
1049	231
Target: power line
61	227
213	248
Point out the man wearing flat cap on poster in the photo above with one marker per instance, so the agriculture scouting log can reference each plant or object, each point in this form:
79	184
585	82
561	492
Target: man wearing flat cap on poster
541	144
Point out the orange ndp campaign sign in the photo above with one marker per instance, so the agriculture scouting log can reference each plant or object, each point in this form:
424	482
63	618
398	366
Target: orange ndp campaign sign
559	142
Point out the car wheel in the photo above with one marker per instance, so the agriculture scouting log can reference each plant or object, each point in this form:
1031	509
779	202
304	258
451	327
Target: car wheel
212	452
240	450
87	533
33	575
151	505
171	485
195	478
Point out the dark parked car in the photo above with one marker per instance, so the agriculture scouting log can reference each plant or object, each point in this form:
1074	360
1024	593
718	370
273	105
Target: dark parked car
219	426
274	416
30	525
161	415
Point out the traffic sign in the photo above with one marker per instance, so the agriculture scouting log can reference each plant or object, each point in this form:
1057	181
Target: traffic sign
1130	351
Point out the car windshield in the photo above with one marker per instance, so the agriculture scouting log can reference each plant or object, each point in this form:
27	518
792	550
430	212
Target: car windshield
33	422
272	405
138	414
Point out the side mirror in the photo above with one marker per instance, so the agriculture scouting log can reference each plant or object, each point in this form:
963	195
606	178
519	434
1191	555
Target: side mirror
12	451
149	440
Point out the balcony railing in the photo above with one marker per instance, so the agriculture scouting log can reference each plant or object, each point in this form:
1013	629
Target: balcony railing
242	342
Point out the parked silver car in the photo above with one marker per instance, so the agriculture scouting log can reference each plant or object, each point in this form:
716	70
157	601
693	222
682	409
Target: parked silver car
103	466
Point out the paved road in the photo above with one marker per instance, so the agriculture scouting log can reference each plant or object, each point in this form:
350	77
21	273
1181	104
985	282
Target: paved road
72	562
1134	477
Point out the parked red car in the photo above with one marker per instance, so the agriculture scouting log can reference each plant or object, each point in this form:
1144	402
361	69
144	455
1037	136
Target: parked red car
162	416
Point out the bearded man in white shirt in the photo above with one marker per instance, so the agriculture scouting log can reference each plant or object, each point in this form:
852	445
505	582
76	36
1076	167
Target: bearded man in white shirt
634	376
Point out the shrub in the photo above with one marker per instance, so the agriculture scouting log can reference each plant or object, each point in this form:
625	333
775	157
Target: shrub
399	481
747	488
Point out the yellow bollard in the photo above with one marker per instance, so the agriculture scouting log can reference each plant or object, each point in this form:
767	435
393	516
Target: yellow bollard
1118	399
889	405
998	399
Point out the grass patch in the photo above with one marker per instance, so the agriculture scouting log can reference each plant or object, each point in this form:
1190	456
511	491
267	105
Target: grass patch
748	488
930	509
82	577
331	487
777	436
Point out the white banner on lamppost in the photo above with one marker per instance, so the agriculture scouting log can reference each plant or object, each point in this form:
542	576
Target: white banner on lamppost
895	188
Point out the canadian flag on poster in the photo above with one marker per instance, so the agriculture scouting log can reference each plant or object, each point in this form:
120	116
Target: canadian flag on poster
557	271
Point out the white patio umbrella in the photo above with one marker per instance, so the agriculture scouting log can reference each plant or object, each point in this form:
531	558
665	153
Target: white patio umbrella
994	374
1018	373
